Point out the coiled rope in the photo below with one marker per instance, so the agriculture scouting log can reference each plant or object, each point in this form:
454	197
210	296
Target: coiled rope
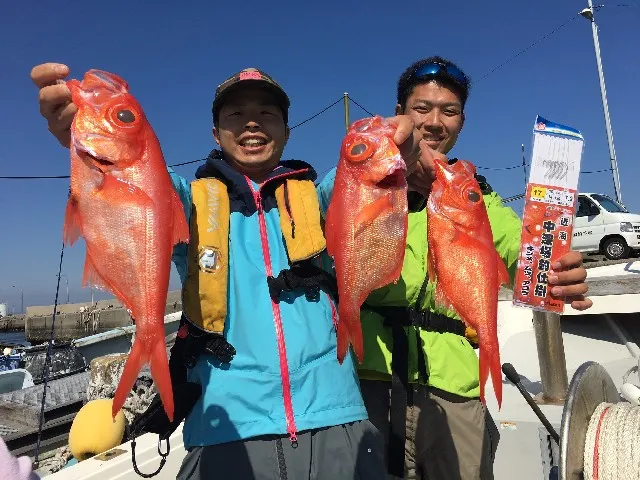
612	446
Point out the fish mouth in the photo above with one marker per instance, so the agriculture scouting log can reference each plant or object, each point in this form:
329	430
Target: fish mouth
394	180
95	162
395	177
91	158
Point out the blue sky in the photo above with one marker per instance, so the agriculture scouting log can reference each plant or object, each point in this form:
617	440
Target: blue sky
173	54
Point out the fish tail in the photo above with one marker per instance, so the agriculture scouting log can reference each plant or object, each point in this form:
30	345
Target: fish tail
349	332
496	377
484	371
490	363
161	375
157	357
132	366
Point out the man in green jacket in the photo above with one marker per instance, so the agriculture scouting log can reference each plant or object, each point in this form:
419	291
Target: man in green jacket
427	405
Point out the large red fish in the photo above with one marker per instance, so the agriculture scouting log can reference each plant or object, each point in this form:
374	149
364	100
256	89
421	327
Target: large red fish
123	203
463	259
366	222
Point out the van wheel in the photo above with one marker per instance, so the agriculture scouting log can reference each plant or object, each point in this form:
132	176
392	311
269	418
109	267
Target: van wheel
615	249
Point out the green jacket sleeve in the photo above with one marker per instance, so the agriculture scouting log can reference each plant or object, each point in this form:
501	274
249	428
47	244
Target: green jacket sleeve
506	227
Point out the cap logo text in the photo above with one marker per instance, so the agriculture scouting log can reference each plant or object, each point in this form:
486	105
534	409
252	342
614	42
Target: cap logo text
250	76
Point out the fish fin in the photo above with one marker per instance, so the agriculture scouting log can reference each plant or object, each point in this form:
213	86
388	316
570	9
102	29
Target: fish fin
490	364
443	301
349	318
125	191
370	212
503	273
180	226
72	223
137	357
161	376
91	277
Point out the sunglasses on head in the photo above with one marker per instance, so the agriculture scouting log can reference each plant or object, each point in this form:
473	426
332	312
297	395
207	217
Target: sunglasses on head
434	67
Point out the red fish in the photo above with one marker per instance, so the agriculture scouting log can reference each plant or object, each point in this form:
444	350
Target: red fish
463	259
123	204
366	222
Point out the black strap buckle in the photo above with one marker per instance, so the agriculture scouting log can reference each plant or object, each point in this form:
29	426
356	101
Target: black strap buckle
198	342
303	275
218	346
417	318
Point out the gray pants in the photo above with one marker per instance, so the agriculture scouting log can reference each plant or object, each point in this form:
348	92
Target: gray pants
353	451
445	440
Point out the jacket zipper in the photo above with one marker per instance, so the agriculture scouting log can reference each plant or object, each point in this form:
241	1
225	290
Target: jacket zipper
277	317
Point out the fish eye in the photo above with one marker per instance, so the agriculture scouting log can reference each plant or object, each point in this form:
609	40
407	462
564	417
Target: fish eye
126	116
473	196
358	149
123	114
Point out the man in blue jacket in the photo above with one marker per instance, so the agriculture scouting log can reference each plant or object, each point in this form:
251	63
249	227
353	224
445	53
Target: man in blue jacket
258	329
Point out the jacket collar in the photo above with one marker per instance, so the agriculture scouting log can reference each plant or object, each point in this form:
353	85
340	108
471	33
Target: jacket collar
215	166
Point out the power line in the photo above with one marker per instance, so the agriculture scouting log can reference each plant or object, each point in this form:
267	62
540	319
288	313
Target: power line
186	163
49	177
559	27
513	198
499	168
33	178
317	114
357	104
574	17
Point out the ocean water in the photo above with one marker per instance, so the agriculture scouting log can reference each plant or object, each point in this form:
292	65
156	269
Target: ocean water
13	337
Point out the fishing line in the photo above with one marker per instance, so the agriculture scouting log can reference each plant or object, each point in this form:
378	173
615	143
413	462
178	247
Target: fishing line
47	362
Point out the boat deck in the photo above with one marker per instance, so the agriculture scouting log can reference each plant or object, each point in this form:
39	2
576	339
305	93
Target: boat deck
607	335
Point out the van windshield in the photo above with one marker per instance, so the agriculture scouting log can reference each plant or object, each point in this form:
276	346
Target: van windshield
608	204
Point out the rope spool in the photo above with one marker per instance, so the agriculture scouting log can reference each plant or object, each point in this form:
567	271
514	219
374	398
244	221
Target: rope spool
612	445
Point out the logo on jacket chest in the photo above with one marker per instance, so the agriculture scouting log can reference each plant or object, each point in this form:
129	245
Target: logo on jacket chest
213	204
208	259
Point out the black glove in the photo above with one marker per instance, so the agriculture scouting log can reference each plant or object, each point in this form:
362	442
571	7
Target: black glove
154	419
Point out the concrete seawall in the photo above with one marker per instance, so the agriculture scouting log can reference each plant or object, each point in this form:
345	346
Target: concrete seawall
12	323
81	319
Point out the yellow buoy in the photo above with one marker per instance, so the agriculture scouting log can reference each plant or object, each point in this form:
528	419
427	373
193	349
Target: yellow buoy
94	431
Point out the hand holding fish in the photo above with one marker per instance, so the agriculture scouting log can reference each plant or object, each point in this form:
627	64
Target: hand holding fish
55	101
568	279
424	174
417	154
407	138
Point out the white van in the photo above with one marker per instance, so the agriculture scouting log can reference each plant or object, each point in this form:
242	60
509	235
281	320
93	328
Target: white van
604	226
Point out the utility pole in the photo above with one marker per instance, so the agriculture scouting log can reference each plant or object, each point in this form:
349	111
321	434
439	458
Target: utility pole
588	13
346	111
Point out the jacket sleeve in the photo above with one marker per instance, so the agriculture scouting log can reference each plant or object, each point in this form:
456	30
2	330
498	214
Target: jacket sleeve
506	227
183	188
325	191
